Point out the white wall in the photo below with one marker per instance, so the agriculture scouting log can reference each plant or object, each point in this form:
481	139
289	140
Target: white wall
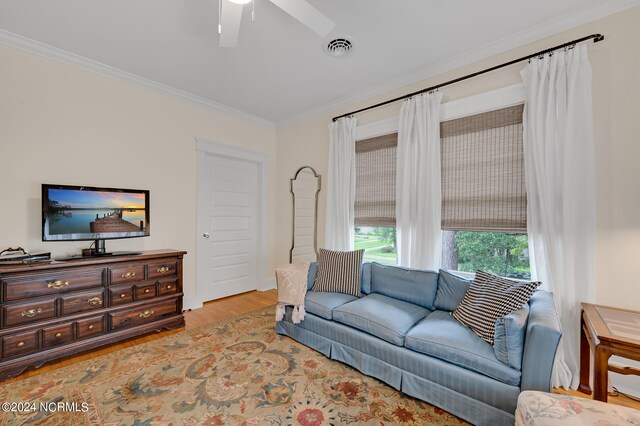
60	124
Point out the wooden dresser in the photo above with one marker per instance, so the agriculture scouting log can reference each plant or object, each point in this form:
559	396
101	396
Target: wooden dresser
62	308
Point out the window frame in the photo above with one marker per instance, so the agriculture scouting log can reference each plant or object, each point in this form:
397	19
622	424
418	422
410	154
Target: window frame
459	108
471	105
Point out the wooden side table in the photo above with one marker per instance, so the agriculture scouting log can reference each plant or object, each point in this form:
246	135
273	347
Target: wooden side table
606	331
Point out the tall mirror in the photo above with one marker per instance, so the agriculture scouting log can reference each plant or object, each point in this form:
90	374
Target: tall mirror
305	186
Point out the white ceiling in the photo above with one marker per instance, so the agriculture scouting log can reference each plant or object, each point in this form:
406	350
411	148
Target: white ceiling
279	70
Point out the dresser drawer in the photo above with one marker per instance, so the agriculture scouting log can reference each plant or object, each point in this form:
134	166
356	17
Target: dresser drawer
121	294
81	302
167	287
164	268
21	286
90	327
57	335
145	292
127	273
20	343
142	315
22	313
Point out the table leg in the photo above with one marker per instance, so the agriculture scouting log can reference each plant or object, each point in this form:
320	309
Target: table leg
601	373
585	359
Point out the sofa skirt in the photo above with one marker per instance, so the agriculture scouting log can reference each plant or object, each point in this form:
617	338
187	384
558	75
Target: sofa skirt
473	397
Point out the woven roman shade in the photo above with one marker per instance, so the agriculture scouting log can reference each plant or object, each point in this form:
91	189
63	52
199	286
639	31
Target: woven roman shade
375	203
483	186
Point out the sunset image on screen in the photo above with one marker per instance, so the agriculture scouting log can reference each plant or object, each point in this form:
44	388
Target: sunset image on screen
73	211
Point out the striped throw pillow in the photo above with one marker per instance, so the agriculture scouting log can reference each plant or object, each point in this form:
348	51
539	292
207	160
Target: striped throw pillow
339	272
488	298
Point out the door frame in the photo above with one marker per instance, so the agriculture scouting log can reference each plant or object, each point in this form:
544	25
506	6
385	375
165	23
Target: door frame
206	148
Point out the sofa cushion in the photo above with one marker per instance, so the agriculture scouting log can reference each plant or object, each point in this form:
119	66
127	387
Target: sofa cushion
451	290
441	336
339	271
410	285
508	343
322	303
490	297
382	316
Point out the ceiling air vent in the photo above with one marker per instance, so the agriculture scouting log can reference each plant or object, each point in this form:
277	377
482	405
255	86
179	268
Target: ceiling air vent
338	46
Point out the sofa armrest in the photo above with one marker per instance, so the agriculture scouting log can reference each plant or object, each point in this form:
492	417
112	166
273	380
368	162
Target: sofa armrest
541	343
313	270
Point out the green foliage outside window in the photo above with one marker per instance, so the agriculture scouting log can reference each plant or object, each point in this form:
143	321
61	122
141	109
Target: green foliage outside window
496	252
379	243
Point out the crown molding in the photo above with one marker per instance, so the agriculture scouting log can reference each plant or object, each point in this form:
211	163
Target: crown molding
51	52
530	35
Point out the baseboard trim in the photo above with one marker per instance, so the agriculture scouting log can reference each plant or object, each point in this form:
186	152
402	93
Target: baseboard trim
191	305
268	284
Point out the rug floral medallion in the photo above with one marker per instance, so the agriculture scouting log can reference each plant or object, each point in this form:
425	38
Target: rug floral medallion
233	372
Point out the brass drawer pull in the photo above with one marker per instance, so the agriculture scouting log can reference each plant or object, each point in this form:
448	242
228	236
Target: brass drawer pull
147	290
90	327
162	269
58	283
30	313
146	314
128	275
58	334
20	344
123	295
95	301
169	287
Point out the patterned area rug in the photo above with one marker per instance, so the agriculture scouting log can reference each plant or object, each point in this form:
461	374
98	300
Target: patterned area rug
236	371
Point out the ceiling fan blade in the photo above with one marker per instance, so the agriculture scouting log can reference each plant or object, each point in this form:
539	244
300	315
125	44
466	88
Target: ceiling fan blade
231	18
306	14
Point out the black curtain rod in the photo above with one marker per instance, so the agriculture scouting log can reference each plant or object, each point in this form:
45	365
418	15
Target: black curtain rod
596	38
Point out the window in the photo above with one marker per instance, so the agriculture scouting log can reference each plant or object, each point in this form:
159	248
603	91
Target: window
483	195
484	202
500	253
375	201
379	243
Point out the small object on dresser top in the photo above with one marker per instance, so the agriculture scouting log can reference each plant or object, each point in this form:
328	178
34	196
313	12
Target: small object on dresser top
20	256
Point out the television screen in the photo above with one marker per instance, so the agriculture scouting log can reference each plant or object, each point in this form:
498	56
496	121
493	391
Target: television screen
85	213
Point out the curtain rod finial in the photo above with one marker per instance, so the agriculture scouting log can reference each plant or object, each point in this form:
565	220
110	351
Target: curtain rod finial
599	37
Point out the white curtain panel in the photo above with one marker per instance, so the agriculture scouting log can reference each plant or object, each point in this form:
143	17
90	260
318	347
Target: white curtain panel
560	179
341	183
418	192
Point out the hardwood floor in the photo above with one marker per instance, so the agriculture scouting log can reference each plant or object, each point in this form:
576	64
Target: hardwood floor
211	312
221	309
613	399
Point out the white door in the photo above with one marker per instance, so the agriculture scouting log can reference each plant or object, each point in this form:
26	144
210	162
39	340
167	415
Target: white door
228	226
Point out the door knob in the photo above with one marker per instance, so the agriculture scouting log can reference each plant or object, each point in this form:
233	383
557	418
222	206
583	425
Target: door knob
206	235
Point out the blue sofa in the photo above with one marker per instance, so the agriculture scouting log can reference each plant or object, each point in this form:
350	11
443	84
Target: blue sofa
400	331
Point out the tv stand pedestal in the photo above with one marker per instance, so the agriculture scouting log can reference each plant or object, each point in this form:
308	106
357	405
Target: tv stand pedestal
61	308
100	248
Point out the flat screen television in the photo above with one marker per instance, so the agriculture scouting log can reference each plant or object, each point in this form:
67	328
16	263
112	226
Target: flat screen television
81	213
